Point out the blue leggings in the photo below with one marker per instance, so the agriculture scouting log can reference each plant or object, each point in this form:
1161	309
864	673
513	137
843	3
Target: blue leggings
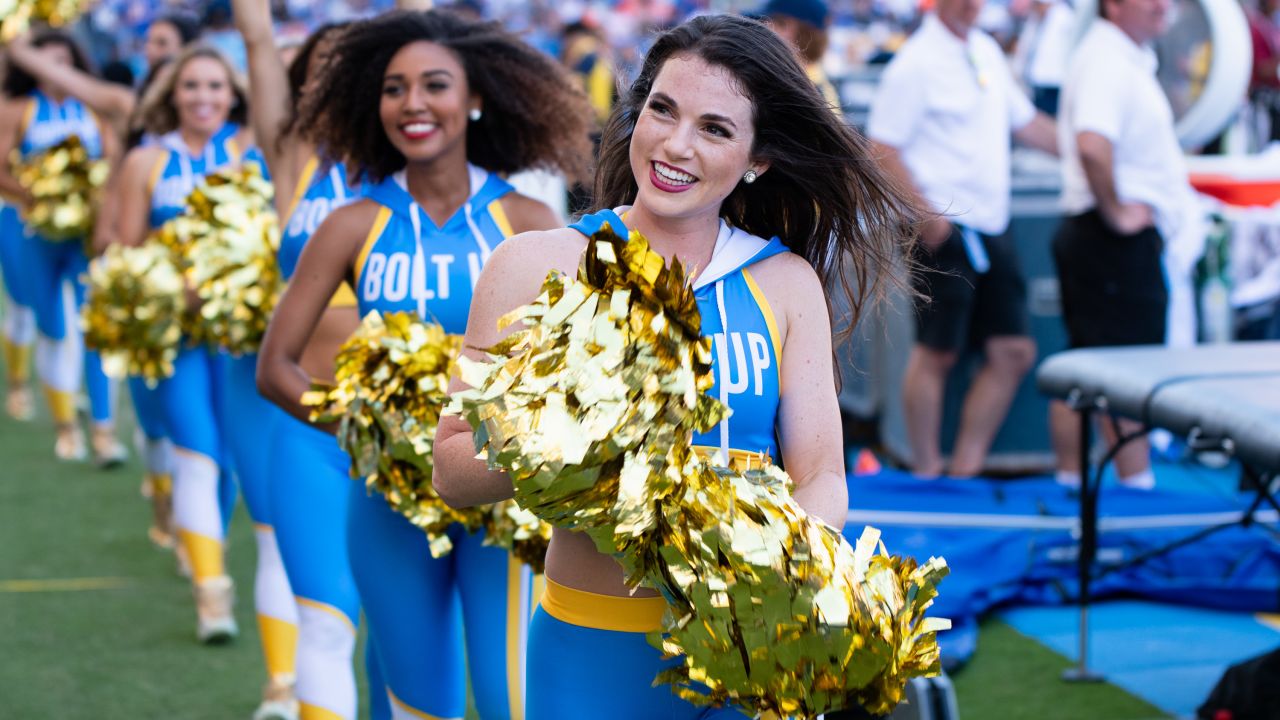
308	493
12	265
148	408
421	610
576	671
247	423
192	403
48	265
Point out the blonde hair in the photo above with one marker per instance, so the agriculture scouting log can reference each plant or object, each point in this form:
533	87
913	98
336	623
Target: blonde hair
157	114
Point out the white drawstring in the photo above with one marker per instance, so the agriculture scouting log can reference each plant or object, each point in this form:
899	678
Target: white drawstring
723	380
174	142
339	186
485	250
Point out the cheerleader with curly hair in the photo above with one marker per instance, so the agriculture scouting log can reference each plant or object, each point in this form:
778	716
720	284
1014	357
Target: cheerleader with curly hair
432	111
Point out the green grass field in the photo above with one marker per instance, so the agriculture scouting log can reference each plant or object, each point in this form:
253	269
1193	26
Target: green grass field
95	623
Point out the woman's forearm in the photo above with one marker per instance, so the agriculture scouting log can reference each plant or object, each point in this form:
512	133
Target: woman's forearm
283	382
825	496
460	478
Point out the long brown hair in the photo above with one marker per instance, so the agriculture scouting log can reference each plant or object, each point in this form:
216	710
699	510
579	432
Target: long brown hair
157	113
823	195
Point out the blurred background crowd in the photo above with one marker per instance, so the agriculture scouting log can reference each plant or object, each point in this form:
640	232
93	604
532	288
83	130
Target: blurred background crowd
1217	66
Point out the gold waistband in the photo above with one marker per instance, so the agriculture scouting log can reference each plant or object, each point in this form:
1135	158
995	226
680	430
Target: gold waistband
740	460
602	612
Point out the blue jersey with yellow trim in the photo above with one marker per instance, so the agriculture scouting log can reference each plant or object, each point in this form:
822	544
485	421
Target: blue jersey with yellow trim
746	346
47	123
254	156
409	264
322	188
178	172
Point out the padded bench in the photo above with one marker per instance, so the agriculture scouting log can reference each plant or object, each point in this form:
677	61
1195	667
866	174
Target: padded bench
1224	397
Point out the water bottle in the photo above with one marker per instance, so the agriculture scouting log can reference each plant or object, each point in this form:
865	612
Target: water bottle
1216	316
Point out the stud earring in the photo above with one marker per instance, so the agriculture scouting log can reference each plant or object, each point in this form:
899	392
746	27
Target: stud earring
474	114
750	177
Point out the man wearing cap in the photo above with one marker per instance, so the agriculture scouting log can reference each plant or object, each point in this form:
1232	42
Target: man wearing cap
803	24
1124	191
941	121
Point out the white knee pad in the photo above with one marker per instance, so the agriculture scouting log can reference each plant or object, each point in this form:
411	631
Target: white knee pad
271	594
60	363
19	323
326	676
159	455
195	495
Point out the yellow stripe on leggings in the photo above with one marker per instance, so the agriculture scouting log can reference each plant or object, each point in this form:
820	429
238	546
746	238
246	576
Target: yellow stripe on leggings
307	711
515	627
62	405
18	360
539	584
279	644
400	704
1272	621
161	483
206	556
63	585
326	608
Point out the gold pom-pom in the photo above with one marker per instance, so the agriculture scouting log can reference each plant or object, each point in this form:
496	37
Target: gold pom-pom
773	610
18	16
391	376
591	404
64	182
590	408
226	242
507	525
132	311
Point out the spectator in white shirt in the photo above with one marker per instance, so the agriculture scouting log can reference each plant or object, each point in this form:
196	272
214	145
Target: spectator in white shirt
942	119
1124	188
1043	47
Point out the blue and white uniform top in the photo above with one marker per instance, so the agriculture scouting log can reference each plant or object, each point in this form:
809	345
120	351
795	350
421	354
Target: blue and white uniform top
177	172
322	188
48	123
254	156
747	347
409	264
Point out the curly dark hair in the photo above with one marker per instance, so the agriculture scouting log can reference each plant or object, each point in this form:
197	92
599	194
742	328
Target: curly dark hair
301	66
534	115
19	83
824	194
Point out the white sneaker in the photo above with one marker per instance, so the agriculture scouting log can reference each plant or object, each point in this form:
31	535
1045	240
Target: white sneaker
215	622
69	444
108	452
278	700
1141	481
19	403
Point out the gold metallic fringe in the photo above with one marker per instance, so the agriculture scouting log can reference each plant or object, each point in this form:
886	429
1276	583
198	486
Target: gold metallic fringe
391	381
64	182
132	311
226	243
18	16
590	409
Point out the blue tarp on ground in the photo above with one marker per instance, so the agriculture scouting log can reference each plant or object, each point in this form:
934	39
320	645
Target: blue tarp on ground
1017	542
1171	655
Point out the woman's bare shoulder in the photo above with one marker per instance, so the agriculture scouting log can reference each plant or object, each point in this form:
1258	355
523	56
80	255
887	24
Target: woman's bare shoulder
537	252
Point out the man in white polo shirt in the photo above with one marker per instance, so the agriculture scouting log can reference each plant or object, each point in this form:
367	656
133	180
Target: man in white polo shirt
1124	190
942	119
